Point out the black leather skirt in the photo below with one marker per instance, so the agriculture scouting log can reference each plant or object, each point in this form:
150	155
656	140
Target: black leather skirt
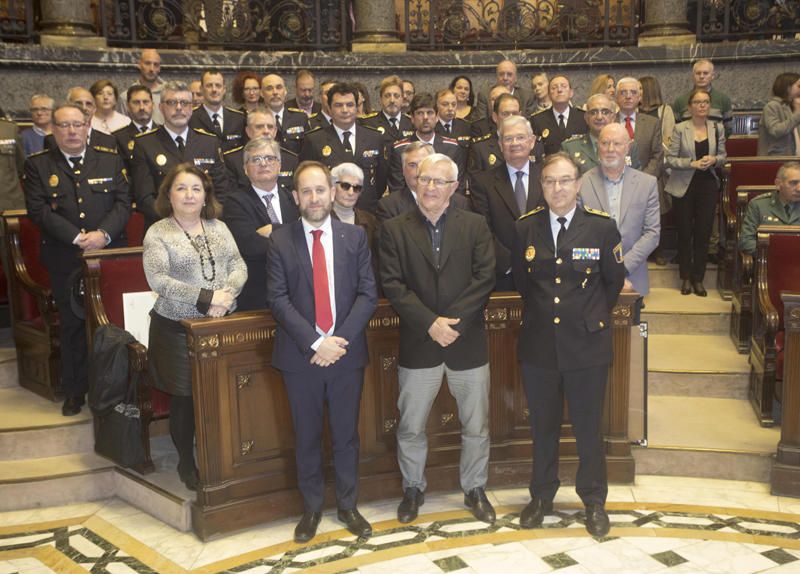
168	356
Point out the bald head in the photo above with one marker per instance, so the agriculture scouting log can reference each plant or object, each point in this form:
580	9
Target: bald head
149	66
613	145
507	74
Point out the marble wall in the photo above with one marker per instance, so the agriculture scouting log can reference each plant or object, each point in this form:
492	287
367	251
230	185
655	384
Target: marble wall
746	69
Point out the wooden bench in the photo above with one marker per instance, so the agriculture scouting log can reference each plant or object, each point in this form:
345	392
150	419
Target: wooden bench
758	170
743	268
776	271
34	318
785	478
109	274
742	146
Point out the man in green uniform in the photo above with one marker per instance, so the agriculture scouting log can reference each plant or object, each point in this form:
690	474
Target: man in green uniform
779	207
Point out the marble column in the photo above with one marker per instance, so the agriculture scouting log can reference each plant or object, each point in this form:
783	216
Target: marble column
665	23
375	27
68	23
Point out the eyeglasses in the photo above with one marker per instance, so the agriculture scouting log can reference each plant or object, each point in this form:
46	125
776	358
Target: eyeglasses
563	182
67	125
346	186
599	112
437	182
515	139
176	103
263	159
40	110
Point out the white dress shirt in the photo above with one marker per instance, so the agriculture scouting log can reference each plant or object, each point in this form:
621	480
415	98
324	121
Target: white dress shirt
555	226
327	244
274	202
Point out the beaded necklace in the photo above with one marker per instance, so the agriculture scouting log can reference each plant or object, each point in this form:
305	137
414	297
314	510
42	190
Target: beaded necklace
198	245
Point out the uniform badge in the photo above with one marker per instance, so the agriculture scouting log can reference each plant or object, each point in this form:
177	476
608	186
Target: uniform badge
545	132
130	145
381	129
530	253
53	180
618	253
161	159
326	151
492	159
577	154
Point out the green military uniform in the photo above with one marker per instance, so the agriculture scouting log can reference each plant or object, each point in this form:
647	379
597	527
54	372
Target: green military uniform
12	160
583	152
767	209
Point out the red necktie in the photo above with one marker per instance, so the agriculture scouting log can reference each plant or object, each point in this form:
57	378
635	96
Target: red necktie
322	297
629	126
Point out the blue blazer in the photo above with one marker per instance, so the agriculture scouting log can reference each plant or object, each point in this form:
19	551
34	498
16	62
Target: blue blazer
290	291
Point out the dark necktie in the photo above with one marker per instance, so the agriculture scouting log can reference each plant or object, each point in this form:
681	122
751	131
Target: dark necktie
142	129
77	162
278	123
561	232
561	123
447	128
347	147
273	217
322	297
519	193
215	123
180	144
393	121
788	209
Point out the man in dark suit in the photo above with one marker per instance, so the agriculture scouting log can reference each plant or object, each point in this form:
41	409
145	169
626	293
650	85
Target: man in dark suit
83	98
506	73
303	100
78	197
405	199
156	152
253	212
509	191
321	291
224	122
449	125
424	118
260	123
346	141
485	126
140	110
568	266
292	123
390	120
437	271
485	150
555	124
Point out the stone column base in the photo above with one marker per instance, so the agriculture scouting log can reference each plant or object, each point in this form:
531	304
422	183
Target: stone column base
382	47
675	40
72	41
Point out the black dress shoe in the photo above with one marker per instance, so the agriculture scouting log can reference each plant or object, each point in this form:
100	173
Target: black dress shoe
189	477
480	506
354	522
72	406
686	287
532	515
699	290
408	509
306	529
597	523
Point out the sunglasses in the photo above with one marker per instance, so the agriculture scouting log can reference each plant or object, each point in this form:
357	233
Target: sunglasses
346	186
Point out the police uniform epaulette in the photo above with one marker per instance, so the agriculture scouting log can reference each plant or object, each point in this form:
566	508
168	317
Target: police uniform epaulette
484	137
313	130
204	132
593	211
314	115
104	149
574	137
234	150
449	140
288	152
40	152
374	129
240	112
369	115
533	211
400	143
295	110
195	108
540	112
144	133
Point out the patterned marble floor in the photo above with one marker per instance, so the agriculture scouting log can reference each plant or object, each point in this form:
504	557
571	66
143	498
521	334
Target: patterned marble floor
660	524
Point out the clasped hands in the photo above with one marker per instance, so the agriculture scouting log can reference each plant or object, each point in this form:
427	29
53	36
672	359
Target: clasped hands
442	332
221	302
704	162
329	351
91	240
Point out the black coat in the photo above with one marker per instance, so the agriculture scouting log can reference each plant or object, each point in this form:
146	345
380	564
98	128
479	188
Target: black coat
237	178
294	127
233	123
460	130
378	121
400	201
441	144
546	129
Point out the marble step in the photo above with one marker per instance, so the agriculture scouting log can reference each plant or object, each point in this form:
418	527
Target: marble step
54	481
8	368
667	276
694	355
688	384
668	312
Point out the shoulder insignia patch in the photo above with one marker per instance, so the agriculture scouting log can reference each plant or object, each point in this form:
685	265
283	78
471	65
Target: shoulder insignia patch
204	132
574	137
234	110
482	138
618	253
533	212
234	150
313	130
539	112
104	149
148	132
449	141
374	129
298	110
593	211
401	143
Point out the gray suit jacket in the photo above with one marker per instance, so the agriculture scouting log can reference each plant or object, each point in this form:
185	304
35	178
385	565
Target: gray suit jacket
681	154
639	218
776	129
647	135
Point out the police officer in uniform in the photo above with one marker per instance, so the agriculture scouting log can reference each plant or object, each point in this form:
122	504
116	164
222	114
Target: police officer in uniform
78	197
292	123
390	120
449	125
156	152
779	207
224	122
140	110
367	147
567	264
260	122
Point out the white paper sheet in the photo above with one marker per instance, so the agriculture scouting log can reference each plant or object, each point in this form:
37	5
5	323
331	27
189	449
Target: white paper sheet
136	311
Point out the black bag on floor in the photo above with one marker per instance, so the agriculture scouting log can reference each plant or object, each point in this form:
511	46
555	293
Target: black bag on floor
119	431
108	368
